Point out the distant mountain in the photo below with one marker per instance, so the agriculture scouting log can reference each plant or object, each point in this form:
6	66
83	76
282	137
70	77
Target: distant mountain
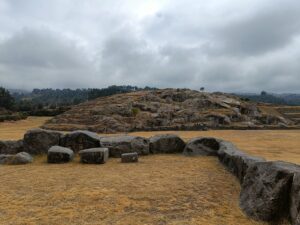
278	99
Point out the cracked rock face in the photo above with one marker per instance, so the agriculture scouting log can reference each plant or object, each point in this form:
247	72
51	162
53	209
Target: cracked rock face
265	192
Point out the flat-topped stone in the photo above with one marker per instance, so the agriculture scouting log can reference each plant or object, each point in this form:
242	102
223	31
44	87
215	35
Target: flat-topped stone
94	155
79	140
129	157
58	154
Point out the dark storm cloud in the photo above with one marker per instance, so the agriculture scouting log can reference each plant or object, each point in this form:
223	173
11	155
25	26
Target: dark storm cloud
224	45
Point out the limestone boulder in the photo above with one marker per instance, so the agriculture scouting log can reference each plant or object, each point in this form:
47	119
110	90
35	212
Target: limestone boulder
118	145
129	157
235	161
265	193
204	146
94	155
166	143
17	159
58	154
38	141
79	140
11	147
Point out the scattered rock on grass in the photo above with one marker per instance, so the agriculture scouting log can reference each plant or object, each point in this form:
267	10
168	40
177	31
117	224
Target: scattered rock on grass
58	154
94	155
129	157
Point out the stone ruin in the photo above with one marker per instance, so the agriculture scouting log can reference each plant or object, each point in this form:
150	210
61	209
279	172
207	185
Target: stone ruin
270	190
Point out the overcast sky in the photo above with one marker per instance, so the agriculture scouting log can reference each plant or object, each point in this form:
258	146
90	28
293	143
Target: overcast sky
223	45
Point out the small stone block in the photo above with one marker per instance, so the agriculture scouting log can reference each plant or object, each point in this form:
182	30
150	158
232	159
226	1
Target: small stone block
129	157
94	155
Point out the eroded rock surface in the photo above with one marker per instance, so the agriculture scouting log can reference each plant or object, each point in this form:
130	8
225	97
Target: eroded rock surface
94	155
17	159
265	193
166	143
202	146
11	147
38	141
58	154
79	140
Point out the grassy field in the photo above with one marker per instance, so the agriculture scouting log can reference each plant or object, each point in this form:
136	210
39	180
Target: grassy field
160	189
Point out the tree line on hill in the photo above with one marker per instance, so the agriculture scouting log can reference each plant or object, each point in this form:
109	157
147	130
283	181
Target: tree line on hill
51	102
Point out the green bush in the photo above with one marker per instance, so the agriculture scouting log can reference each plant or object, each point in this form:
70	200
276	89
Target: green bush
135	111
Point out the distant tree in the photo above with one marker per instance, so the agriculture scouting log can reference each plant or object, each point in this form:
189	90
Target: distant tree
202	89
6	100
263	93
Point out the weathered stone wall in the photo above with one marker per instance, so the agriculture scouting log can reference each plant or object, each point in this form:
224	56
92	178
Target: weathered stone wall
269	190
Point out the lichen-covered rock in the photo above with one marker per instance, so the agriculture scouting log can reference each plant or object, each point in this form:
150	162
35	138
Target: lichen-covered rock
38	141
129	157
166	143
295	200
11	147
94	155
205	146
58	154
236	162
265	193
118	145
18	159
79	140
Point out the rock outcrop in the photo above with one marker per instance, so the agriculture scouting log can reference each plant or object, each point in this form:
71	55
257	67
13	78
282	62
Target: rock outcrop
38	141
166	143
118	145
58	154
79	140
168	109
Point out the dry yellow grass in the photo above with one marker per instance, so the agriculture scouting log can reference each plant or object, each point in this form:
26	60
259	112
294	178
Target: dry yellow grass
160	189
13	130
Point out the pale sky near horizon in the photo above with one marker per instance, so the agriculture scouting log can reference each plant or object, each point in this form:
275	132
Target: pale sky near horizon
223	45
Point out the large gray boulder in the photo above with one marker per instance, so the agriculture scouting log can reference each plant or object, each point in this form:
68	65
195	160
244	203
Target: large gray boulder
79	140
118	145
205	146
11	147
265	193
38	141
166	143
58	154
236	162
18	159
94	155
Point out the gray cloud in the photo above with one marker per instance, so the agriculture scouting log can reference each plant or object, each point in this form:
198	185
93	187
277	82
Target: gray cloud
225	45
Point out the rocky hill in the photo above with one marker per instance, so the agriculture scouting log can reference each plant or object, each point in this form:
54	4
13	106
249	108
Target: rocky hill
169	109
